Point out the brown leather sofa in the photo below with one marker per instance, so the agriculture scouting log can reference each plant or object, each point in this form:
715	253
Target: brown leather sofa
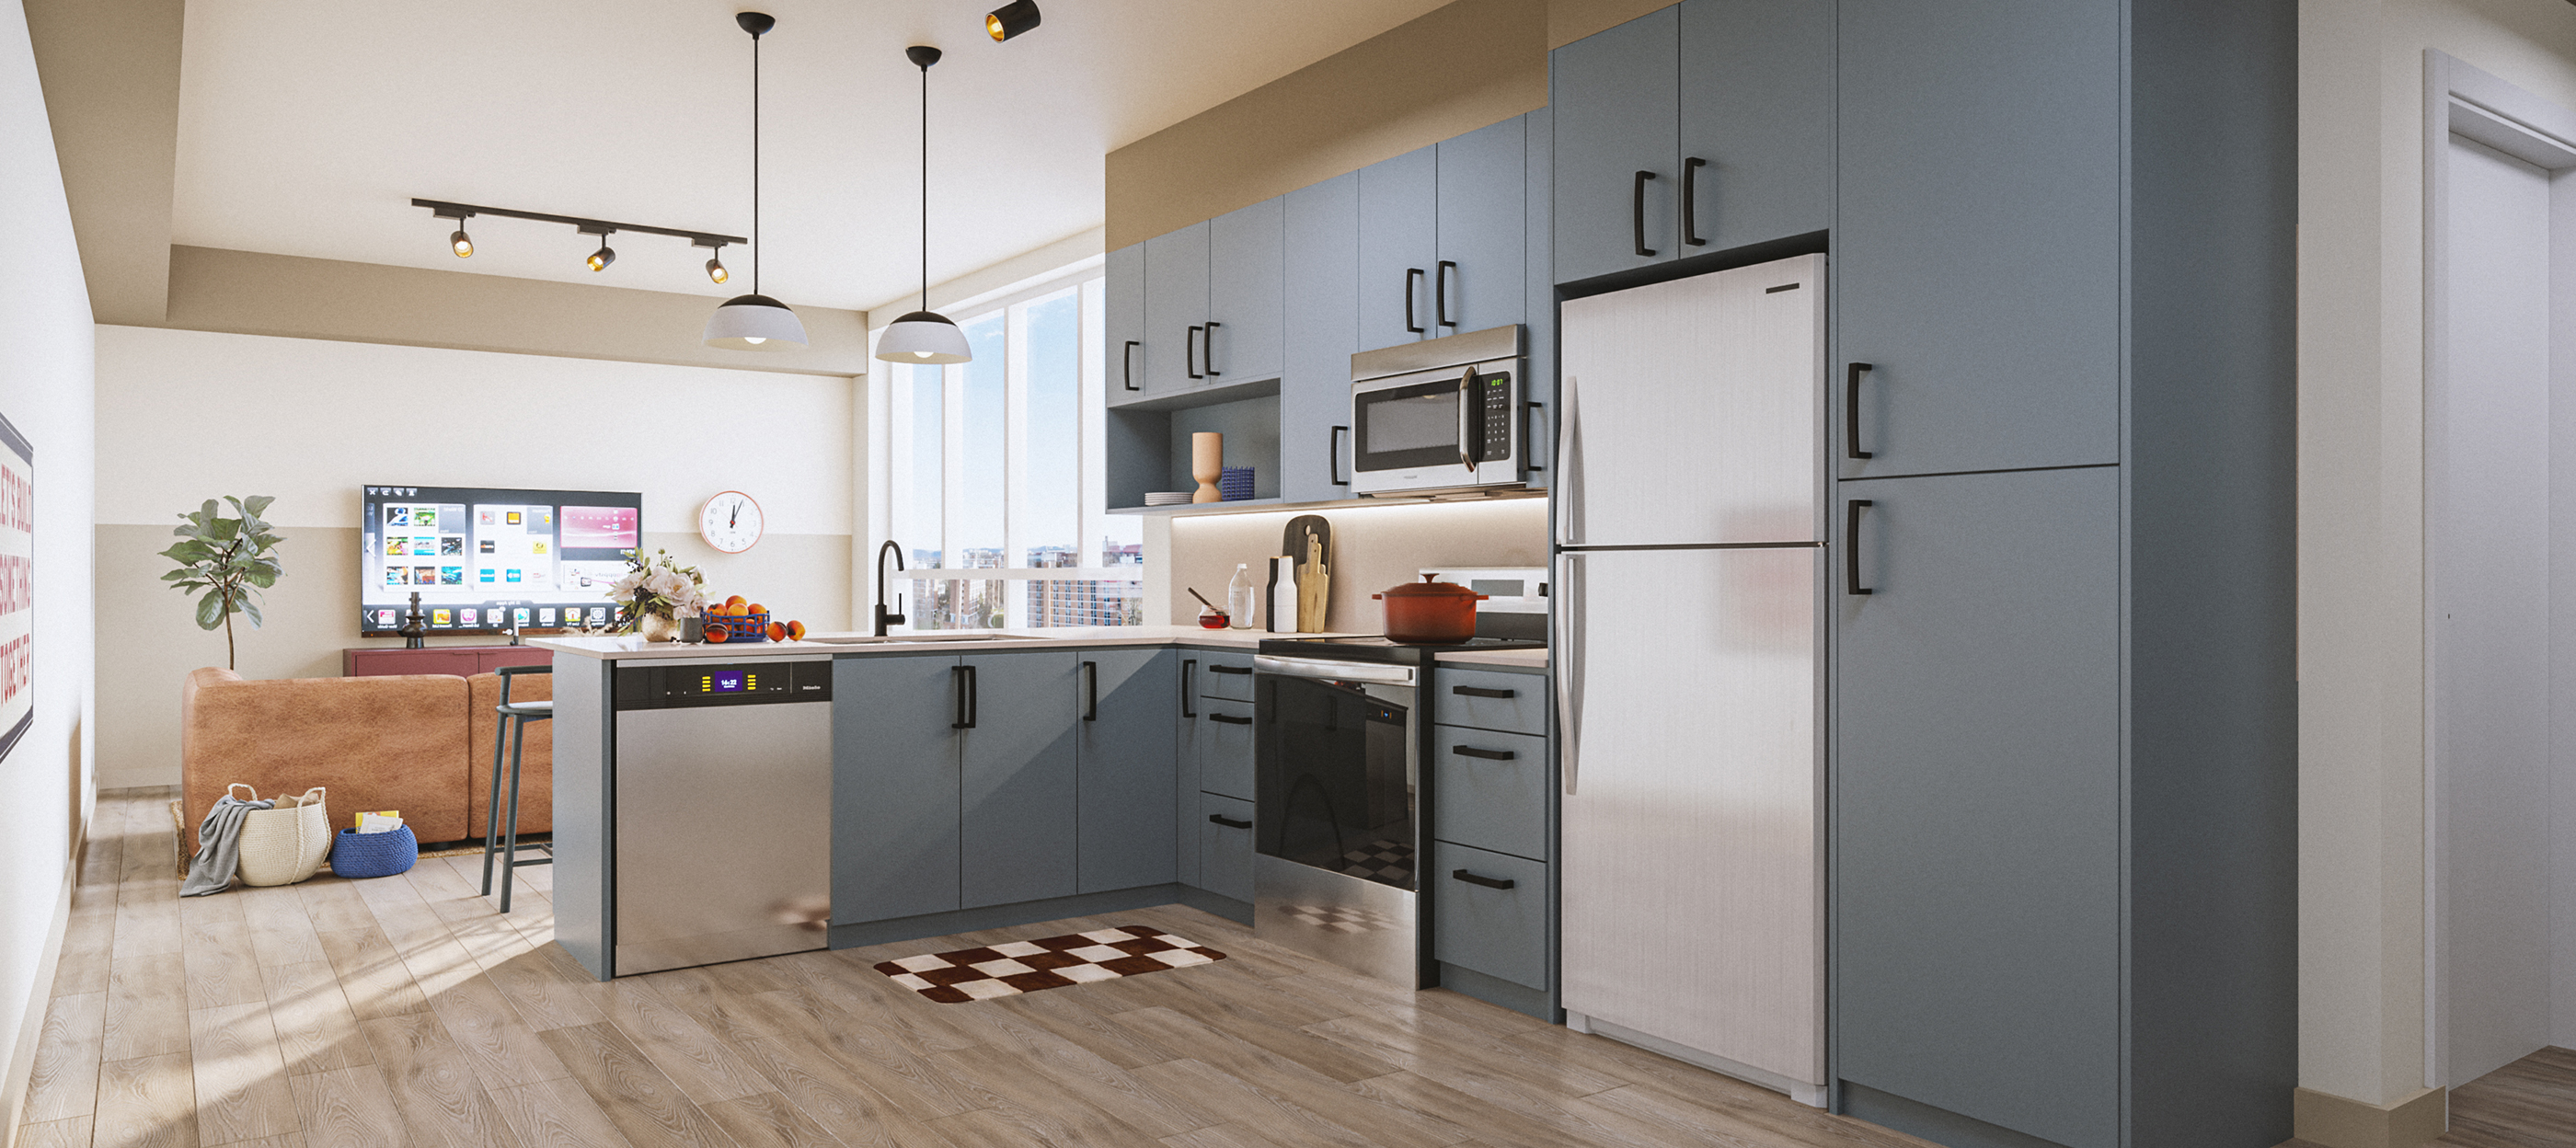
420	744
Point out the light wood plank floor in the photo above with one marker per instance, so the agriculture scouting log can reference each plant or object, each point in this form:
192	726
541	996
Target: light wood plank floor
407	1011
2530	1103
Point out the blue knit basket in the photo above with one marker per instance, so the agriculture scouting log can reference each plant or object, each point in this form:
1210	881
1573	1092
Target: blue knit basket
1234	483
356	854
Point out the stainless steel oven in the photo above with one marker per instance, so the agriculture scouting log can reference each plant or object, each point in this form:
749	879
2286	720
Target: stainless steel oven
1446	414
1337	821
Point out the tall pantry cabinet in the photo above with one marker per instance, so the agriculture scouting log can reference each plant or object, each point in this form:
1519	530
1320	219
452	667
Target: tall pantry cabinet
2062	768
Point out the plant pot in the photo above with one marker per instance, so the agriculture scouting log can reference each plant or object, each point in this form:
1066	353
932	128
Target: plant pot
656	628
1430	611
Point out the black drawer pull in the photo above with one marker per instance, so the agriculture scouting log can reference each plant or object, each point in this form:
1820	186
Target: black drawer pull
1637	211
1217	669
1851	411
1127	365
1482	692
1230	823
1690	200
1230	719
1487	754
1480	879
1851	546
1188	668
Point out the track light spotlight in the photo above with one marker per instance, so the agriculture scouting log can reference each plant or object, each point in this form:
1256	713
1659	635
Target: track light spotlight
600	259
716	271
1011	19
463	243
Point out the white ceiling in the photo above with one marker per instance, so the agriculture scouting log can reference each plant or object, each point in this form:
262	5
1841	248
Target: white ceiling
305	127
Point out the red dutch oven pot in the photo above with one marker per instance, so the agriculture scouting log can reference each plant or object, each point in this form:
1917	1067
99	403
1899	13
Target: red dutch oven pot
1430	611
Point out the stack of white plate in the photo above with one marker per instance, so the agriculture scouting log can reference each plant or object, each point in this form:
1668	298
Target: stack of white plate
1169	497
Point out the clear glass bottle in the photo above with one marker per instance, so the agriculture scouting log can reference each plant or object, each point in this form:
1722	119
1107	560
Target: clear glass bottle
1239	598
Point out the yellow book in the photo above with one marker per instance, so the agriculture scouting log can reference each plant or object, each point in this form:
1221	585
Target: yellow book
360	821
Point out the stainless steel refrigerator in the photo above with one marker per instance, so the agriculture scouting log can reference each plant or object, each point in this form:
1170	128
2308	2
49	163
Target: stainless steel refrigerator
1691	543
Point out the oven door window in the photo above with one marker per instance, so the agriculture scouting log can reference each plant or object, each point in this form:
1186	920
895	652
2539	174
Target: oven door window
1336	778
1407	426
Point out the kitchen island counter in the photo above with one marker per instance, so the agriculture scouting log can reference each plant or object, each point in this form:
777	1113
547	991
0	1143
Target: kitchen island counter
1069	637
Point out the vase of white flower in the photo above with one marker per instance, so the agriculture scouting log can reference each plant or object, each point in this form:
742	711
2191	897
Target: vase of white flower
657	593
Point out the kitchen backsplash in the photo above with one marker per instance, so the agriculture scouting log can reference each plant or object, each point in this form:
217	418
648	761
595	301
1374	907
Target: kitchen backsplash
1374	547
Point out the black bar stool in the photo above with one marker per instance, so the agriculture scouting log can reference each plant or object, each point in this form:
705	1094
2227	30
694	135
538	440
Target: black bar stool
514	736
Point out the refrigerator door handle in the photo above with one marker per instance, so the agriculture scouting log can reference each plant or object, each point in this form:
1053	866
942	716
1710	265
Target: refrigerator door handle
1568	643
1568	488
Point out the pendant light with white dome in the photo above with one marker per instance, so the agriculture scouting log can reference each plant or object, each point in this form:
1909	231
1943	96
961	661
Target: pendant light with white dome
924	336
753	322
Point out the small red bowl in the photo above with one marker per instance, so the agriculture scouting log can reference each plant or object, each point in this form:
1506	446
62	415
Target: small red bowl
1212	621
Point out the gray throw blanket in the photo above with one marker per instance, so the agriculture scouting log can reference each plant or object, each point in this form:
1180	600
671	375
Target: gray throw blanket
219	846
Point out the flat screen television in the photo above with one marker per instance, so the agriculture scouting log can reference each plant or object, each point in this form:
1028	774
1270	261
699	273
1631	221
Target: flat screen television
479	557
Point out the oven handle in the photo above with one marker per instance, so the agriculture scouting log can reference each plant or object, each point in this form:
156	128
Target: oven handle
1334	671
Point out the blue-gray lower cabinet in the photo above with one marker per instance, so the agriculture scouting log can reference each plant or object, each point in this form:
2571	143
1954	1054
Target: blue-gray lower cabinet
1224	745
1016	781
1490	790
894	786
1225	846
1226	675
1127	753
1489	913
1489	892
1978	814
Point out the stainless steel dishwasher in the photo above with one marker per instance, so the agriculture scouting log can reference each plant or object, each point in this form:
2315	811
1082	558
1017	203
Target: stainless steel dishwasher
723	799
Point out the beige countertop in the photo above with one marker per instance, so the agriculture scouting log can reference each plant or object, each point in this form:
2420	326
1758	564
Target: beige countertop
817	645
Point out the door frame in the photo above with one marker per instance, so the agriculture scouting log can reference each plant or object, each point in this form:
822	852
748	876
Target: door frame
2460	99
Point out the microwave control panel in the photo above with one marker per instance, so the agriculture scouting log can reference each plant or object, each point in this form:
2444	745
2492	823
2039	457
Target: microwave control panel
1494	399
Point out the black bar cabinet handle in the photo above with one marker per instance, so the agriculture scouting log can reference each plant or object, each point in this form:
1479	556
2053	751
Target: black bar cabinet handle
1214	668
1189	674
1127	365
1851	546
1091	691
1411	275
1440	295
1482	692
1230	719
964	676
1190	352
1851	410
1333	470
1207	349
1481	879
1228	822
1526	440
1637	209
1485	754
1690	201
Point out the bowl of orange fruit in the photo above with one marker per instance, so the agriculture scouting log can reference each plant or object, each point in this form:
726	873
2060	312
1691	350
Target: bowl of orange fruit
739	619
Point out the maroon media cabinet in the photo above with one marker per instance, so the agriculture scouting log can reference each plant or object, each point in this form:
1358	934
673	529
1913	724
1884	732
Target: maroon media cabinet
462	661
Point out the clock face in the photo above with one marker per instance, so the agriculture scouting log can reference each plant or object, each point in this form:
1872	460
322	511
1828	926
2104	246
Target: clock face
730	522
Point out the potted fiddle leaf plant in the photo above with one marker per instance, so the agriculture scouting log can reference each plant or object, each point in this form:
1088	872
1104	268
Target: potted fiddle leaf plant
226	561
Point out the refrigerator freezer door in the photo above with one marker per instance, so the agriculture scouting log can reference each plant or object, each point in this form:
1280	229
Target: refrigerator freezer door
1693	885
1694	410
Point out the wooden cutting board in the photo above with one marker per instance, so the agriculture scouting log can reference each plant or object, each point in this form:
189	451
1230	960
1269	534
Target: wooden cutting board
1308	542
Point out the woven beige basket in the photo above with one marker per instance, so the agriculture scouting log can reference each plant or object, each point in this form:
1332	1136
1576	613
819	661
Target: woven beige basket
287	844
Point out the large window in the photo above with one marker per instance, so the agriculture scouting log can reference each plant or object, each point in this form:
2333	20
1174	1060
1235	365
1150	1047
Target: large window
992	474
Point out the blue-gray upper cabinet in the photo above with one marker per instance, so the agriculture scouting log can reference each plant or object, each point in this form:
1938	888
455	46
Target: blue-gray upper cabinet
1978	811
1123	298
1323	227
894	787
1016	777
1247	277
1478	277
1757	98
1126	750
1176	309
1616	97
1399	244
1977	253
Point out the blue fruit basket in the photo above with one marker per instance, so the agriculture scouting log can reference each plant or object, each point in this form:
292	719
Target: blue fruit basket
748	628
355	854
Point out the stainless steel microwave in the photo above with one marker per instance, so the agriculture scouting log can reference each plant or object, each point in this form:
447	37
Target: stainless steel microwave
1440	415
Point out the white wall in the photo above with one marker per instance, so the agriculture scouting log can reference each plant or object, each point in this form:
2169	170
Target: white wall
2361	510
45	389
191	415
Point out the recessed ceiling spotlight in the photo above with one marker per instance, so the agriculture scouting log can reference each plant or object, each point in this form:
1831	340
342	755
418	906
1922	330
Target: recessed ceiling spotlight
1011	19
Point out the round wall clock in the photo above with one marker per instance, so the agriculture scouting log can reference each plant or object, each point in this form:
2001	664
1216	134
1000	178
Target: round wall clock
730	522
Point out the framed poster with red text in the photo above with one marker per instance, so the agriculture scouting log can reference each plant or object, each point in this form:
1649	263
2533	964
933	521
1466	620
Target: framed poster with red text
17	585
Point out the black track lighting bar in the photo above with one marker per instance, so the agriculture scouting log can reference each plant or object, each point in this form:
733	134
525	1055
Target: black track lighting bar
460	211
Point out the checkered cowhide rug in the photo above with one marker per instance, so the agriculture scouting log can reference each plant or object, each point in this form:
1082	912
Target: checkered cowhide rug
1046	963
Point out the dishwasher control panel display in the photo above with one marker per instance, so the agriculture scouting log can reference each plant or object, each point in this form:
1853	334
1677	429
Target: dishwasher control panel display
742	683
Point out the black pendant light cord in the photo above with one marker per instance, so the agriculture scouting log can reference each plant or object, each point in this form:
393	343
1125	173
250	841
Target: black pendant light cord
925	187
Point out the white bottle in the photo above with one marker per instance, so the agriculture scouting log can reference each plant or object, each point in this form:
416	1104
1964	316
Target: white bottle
1238	598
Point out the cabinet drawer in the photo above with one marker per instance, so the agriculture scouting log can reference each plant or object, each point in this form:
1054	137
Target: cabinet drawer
1226	676
1225	846
1490	802
1225	748
1497	932
1512	703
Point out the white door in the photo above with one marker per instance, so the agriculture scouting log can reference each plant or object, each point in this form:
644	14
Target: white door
1693	409
1693	890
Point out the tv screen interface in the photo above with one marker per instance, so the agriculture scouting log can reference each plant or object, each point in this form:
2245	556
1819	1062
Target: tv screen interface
480	558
